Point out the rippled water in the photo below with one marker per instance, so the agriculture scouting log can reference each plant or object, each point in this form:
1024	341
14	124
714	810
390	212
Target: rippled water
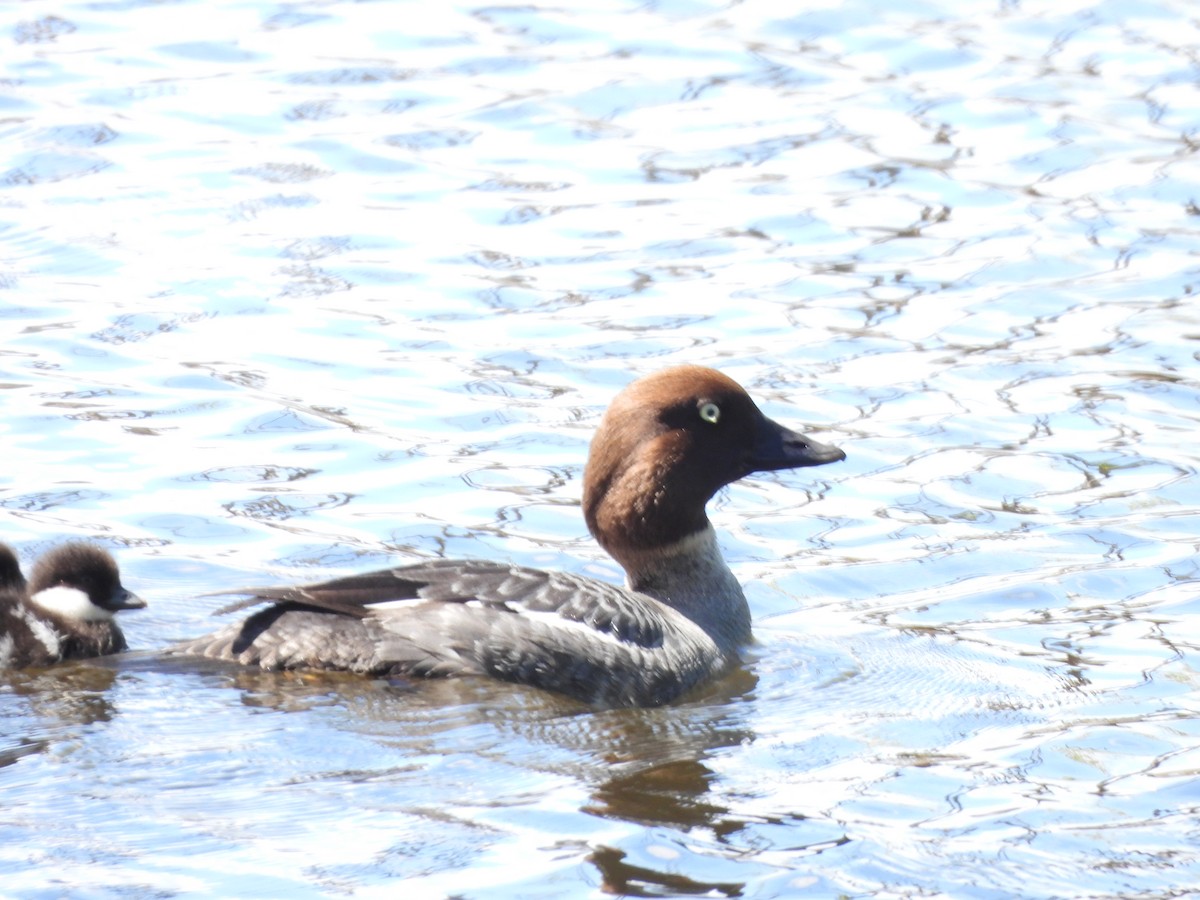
296	289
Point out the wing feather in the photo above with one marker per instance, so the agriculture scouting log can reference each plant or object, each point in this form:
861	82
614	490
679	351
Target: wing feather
587	638
605	608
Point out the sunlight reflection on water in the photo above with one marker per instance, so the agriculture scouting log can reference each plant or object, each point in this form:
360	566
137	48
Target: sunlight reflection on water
297	290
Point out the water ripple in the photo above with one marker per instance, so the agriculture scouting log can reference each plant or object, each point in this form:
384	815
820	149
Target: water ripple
297	290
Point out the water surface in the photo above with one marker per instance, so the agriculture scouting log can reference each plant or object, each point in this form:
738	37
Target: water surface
293	290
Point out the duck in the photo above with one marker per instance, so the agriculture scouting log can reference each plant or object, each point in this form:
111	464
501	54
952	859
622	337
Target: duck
665	445
65	610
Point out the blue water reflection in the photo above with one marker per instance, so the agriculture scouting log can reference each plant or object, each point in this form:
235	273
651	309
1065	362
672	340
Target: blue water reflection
293	290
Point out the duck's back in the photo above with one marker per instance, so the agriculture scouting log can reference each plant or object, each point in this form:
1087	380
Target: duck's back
586	638
20	645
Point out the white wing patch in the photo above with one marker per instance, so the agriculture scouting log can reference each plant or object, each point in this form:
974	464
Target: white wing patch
71	603
386	606
6	650
558	623
43	631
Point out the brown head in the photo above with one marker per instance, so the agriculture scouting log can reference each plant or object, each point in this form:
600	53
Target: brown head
667	443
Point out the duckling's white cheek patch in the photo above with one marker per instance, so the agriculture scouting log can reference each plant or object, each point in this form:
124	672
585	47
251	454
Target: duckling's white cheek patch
71	603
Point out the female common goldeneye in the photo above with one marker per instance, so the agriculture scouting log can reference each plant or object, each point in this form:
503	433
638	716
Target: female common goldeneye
667	443
65	610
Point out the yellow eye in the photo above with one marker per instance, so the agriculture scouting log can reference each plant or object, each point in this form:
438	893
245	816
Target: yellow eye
710	412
